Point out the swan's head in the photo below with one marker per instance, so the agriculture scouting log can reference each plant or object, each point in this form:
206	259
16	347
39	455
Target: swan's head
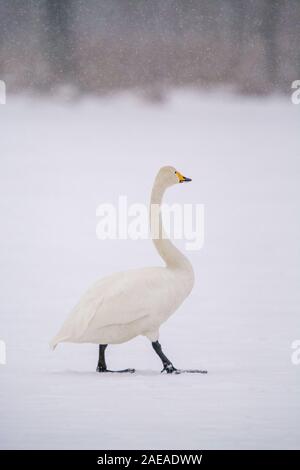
168	176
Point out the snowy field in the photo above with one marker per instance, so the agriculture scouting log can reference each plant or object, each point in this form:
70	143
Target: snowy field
59	161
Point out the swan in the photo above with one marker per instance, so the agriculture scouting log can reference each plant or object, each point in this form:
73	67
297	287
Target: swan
136	302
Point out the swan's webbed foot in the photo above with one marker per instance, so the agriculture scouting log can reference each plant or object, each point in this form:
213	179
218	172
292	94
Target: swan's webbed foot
104	369
190	371
168	366
169	369
101	367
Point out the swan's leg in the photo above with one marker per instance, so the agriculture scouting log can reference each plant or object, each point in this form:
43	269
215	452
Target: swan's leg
101	367
168	366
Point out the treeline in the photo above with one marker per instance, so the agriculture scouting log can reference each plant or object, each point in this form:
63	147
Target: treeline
106	45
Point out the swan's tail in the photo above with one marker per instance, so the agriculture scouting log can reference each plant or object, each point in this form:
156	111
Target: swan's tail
59	338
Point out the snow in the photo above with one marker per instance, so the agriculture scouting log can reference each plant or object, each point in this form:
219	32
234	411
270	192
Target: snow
59	161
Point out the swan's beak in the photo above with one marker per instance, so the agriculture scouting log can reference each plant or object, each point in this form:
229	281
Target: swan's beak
182	179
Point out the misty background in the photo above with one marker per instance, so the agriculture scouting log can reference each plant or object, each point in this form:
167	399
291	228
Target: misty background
102	46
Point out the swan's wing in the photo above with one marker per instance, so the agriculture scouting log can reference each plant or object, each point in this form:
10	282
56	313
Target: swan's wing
116	300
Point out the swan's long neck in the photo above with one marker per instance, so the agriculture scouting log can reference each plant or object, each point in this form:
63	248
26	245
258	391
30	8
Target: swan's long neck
169	253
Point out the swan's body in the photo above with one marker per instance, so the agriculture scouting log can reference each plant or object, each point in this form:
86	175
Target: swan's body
124	305
136	302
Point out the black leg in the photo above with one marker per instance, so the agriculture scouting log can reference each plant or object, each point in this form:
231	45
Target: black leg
101	367
168	366
101	361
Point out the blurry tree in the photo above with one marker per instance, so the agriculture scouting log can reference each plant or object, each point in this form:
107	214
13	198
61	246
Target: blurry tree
270	21
60	38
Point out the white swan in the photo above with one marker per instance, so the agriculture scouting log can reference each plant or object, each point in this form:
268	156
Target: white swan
135	302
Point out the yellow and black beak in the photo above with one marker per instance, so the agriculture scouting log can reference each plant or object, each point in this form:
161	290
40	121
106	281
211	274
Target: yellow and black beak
181	178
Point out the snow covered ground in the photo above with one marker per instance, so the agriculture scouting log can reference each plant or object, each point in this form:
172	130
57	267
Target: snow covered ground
58	163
